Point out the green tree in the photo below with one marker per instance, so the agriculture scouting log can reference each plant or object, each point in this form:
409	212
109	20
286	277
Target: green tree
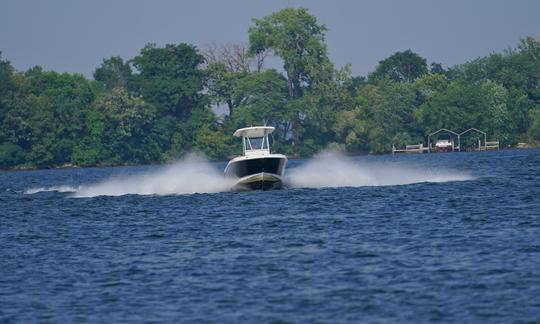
404	66
436	68
496	120
226	65
322	103
519	105
390	108
351	129
265	95
457	105
533	132
114	73
169	78
11	155
295	36
222	86
529	66
47	118
117	127
515	68
6	77
32	126
7	89
264	102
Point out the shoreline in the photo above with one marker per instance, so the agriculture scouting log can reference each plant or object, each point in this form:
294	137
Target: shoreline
72	166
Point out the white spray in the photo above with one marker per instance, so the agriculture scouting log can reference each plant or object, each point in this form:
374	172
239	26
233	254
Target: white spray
191	175
330	169
195	175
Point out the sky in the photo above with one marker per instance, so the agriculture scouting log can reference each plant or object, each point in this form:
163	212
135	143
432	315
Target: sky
76	35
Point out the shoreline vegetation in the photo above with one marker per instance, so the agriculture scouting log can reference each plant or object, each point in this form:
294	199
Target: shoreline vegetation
164	102
127	164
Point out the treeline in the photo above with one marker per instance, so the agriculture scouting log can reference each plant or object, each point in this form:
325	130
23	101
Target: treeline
161	103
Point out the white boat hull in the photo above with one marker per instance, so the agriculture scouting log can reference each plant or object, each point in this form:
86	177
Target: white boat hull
259	181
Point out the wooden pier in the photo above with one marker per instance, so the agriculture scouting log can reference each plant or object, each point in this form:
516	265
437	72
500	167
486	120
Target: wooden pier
494	145
415	148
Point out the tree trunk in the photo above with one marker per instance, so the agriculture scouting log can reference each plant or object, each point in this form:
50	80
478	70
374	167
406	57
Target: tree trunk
290	85
230	105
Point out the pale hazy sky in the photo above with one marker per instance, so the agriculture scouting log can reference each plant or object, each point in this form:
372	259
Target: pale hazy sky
75	35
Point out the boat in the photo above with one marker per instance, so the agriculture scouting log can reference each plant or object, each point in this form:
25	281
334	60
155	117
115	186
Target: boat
444	145
257	168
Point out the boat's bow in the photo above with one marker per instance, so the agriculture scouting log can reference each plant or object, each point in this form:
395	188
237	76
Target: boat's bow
259	181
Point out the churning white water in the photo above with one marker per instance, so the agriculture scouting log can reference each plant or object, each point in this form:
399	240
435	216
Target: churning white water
191	175
333	170
185	177
196	175
329	169
52	188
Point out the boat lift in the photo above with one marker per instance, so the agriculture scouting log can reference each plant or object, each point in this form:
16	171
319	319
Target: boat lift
420	148
444	130
487	145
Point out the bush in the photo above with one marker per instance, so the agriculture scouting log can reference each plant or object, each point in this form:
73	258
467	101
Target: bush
11	155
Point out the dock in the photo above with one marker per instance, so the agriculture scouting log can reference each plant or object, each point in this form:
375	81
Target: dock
414	148
494	145
449	145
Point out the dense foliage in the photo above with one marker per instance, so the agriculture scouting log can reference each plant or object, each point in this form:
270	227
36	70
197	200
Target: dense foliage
161	103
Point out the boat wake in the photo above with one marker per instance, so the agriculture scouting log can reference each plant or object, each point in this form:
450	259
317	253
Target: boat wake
334	170
189	176
32	191
196	175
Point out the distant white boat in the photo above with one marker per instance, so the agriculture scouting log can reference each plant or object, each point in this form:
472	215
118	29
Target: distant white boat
444	145
257	168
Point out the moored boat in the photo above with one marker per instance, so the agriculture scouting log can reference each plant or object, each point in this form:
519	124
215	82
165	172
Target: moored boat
444	145
257	168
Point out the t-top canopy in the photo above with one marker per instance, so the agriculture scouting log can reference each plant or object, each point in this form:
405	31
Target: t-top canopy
258	131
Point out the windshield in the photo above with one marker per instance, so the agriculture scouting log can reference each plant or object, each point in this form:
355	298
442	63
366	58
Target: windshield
256	143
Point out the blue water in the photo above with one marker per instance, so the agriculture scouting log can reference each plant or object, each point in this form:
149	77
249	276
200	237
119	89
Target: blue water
463	249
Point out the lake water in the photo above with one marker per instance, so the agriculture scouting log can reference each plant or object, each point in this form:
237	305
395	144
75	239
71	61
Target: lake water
409	238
